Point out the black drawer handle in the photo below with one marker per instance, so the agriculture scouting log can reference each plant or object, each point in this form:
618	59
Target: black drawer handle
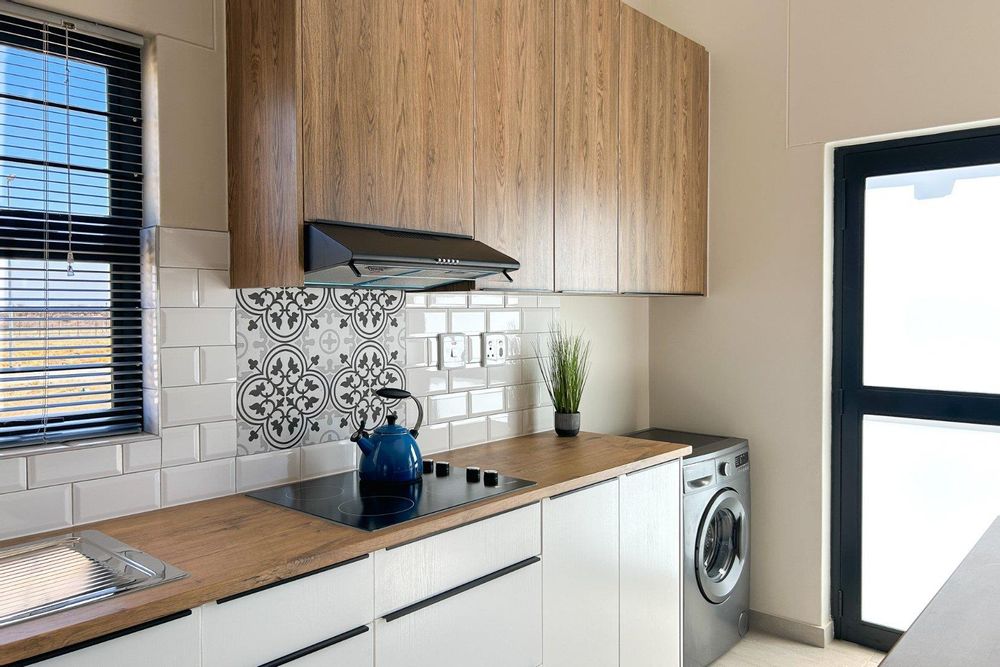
318	646
440	597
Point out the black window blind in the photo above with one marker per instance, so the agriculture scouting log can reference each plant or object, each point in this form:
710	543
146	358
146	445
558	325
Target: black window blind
70	223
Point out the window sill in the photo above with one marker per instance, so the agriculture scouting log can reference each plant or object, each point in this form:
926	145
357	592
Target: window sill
52	447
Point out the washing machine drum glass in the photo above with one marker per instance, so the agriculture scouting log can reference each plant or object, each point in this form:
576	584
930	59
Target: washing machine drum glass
722	541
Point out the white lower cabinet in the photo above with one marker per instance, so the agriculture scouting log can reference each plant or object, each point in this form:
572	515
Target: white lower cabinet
356	651
491	623
170	644
651	543
580	564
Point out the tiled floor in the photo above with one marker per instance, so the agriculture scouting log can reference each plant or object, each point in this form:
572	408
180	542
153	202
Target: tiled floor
761	650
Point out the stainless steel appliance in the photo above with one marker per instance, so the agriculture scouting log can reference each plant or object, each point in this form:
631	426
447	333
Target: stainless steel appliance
716	542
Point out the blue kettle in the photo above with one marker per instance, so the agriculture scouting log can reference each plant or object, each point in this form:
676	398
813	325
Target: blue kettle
391	453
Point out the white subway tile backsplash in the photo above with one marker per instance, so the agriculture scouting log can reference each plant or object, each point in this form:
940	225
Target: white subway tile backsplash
113	496
416	300
192	405
472	377
467	321
486	401
178	288
416	352
474	349
481	299
189	248
530	370
538	320
537	419
446	407
426	381
548	301
426	322
449	300
198	481
179	445
506	425
143	455
522	301
185	327
505	374
267	469
327	458
217	440
469	432
519	397
540	395
13	475
70	466
35	511
179	367
434	438
213	290
503	320
218	364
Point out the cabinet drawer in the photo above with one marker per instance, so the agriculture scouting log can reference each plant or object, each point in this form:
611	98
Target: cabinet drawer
277	621
497	623
356	651
418	570
172	643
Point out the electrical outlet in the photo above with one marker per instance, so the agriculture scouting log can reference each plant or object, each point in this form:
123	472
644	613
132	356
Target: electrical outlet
451	351
494	349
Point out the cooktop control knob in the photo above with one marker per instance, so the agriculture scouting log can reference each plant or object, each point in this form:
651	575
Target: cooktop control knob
725	468
472	474
428	466
491	477
442	468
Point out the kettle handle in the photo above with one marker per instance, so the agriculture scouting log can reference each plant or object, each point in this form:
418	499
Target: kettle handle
393	393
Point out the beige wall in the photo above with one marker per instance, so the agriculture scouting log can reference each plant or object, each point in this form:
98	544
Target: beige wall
616	399
753	358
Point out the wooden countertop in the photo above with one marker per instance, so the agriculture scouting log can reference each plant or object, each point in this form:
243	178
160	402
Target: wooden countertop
958	625
233	544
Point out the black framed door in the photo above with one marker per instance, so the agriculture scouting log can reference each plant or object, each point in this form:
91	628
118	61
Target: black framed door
916	371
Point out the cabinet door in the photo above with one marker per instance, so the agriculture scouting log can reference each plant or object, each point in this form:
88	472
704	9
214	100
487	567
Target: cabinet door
387	113
356	651
580	560
171	644
495	623
586	146
514	136
651	560
663	218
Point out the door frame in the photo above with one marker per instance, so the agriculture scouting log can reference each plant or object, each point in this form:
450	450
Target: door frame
851	400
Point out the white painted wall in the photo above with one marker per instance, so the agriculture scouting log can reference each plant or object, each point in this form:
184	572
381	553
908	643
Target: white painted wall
787	77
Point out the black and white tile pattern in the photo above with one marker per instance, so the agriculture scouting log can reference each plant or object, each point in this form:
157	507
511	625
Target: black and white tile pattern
309	361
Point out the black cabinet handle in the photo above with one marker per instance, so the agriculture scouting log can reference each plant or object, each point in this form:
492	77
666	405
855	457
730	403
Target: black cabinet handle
440	597
318	646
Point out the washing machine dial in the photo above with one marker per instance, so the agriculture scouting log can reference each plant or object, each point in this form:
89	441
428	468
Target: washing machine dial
725	469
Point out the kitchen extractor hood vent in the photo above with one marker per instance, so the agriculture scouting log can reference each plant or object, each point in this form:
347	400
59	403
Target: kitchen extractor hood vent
344	255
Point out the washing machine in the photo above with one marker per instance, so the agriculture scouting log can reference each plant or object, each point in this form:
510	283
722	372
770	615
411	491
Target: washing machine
716	542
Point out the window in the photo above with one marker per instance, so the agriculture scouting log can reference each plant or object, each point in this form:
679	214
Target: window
70	222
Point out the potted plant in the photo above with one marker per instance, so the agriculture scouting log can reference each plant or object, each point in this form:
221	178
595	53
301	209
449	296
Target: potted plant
565	373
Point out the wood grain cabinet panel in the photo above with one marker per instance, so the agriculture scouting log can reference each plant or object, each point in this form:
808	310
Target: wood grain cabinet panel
586	145
514	84
265	204
663	191
387	113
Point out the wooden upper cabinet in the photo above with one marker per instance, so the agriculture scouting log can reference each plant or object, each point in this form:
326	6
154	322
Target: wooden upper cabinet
586	145
663	195
265	202
514	135
387	113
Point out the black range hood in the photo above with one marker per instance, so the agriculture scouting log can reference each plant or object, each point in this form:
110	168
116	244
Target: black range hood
344	255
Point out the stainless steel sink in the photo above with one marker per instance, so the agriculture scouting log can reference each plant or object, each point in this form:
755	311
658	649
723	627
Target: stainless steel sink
56	573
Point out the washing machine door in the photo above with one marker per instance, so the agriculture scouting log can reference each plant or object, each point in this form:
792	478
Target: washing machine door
722	546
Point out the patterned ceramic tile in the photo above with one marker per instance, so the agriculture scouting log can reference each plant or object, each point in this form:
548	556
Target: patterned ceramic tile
309	361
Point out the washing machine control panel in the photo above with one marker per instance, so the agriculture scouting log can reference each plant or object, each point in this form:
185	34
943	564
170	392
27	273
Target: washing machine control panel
742	460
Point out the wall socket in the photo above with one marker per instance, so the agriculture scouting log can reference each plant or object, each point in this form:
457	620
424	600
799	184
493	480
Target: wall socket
494	349
451	351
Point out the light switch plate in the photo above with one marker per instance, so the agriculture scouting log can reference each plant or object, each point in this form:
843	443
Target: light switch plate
494	349
451	351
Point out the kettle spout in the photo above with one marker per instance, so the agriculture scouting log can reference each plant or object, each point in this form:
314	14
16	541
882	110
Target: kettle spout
366	445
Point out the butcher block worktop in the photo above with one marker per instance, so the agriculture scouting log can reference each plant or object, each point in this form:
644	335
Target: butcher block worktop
234	544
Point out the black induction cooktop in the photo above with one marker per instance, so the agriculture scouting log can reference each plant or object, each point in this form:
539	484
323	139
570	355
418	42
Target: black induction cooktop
344	499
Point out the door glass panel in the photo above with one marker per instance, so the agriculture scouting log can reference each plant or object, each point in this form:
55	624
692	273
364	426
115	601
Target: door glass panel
929	490
719	548
931	297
